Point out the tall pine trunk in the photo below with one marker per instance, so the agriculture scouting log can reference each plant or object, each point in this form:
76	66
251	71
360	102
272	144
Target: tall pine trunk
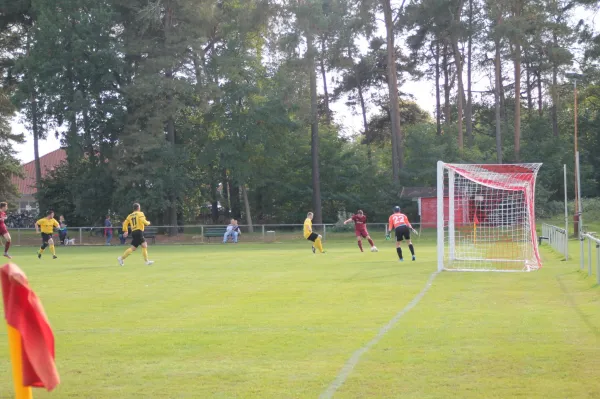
247	208
539	92
172	196
458	60
529	89
363	109
469	105
497	97
324	76
517	64
314	130
392	77
554	109
447	85
438	107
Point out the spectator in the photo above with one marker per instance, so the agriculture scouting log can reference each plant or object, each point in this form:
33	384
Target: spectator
62	232
108	233
233	230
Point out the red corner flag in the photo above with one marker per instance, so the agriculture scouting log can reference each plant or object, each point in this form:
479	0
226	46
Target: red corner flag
24	312
475	220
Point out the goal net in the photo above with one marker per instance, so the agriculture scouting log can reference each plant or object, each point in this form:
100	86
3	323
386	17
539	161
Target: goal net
486	217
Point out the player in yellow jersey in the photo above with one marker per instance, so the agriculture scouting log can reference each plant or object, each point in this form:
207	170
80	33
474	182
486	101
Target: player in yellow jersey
47	226
137	221
310	235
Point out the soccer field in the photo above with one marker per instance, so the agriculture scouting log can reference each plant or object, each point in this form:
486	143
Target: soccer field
276	321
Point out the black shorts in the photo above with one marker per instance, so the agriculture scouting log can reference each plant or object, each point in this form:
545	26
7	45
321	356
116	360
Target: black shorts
402	232
137	238
46	238
312	237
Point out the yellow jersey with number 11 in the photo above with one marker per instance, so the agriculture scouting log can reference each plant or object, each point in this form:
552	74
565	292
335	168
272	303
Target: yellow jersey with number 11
137	221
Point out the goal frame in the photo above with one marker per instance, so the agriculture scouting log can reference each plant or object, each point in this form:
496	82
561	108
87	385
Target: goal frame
446	253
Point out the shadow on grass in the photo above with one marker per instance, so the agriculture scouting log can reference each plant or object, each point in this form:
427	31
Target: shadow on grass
586	320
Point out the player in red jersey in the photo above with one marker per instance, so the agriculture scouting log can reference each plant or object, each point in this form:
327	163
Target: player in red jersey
399	224
360	229
3	230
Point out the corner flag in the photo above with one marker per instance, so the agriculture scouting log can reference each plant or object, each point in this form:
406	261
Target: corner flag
30	337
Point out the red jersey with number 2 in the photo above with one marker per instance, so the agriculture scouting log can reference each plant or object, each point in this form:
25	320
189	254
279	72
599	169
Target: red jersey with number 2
398	219
3	229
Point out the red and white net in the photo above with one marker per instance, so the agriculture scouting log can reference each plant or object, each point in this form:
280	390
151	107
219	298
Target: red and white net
489	217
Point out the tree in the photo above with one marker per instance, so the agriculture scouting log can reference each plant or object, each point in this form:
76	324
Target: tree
392	75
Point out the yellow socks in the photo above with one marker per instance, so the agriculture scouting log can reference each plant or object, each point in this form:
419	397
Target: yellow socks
145	253
319	244
127	253
52	250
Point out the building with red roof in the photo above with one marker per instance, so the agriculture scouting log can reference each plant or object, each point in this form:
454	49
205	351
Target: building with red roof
26	184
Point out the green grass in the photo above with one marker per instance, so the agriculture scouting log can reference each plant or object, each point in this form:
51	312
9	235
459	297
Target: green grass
276	321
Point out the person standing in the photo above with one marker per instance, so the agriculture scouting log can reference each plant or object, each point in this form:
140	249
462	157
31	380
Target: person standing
398	222
4	230
137	221
312	236
46	226
360	229
108	233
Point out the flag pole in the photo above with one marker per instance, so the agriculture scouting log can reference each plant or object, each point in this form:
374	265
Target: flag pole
14	342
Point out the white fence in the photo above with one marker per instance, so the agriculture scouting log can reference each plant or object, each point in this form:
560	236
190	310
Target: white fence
558	238
591	241
197	234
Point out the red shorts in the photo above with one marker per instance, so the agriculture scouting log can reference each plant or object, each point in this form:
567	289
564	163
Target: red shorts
3	230
361	233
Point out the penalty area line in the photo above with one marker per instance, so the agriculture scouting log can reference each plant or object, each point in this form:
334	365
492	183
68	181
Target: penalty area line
353	361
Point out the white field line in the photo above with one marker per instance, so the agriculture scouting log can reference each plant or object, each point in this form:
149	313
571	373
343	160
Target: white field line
353	361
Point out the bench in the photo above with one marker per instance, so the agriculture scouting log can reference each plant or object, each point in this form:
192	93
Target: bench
149	233
214	232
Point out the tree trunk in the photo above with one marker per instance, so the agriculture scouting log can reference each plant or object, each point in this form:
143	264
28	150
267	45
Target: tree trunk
458	61
314	131
447	86
236	206
438	108
539	90
214	203
363	109
497	99
517	63
392	77
35	128
172	195
247	207
226	196
36	137
554	91
469	105
324	76
529	88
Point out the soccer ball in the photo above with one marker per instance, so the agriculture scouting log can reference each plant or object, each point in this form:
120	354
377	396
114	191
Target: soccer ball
374	249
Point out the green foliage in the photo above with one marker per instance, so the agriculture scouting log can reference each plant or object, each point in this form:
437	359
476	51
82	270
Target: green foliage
179	105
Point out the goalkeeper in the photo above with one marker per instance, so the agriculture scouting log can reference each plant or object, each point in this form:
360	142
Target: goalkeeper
399	223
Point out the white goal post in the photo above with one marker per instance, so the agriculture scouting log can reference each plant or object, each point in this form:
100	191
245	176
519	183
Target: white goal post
486	217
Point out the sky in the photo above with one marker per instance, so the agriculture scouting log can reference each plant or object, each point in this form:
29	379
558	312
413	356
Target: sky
422	92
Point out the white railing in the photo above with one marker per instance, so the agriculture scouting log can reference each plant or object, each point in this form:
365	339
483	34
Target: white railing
558	238
198	234
591	240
